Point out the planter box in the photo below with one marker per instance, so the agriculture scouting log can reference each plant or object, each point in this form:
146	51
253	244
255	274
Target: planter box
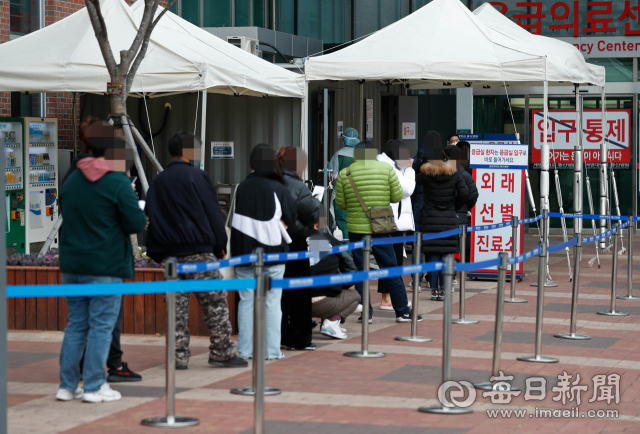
143	313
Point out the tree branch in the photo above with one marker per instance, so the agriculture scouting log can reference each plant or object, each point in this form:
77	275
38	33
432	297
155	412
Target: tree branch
150	7
100	30
143	50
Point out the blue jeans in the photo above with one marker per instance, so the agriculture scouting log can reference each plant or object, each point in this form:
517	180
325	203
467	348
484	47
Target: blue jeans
386	258
91	323
436	278
274	314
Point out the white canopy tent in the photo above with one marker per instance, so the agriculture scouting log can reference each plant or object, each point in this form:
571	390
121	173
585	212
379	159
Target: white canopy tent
181	57
485	48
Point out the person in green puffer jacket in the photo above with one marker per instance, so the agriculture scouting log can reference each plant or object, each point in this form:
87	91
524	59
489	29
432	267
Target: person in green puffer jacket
378	185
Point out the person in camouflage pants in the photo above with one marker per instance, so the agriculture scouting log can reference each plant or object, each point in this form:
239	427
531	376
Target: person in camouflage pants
214	309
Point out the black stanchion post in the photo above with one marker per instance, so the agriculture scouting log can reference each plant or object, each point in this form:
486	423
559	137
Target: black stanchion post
463	277
417	247
365	353
448	407
251	390
170	420
515	238
614	280
542	263
263	285
574	297
497	336
629	265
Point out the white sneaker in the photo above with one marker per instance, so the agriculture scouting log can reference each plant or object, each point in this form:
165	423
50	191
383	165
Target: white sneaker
67	395
358	309
332	329
343	330
104	394
455	282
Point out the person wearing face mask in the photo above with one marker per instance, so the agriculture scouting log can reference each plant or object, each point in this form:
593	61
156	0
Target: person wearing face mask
341	160
396	154
452	139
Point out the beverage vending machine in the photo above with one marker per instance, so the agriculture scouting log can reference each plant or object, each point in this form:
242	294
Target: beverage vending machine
41	181
12	139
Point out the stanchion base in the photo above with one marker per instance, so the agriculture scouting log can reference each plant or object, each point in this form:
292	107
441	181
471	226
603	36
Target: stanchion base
488	385
440	409
612	313
249	391
413	339
464	321
176	422
539	359
365	354
574	336
628	297
515	300
546	284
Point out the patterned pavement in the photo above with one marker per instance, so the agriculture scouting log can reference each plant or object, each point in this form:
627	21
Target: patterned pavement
325	392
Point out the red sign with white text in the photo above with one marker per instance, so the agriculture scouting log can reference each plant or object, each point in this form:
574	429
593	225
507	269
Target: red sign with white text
562	134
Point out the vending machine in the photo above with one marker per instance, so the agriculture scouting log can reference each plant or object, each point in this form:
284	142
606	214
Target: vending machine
41	181
12	139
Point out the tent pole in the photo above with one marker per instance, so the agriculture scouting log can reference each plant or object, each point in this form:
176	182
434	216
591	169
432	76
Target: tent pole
577	165
75	126
603	171
304	127
203	129
325	147
544	162
360	131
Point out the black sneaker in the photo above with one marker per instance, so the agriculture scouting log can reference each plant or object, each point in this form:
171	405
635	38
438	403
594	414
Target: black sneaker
370	320
181	366
123	375
233	362
309	347
407	317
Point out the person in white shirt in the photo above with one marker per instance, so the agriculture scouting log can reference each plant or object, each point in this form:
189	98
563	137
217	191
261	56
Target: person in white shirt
396	153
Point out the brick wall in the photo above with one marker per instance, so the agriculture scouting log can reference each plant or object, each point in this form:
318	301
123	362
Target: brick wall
5	98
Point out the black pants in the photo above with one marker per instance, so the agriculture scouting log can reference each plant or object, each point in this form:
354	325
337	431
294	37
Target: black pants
398	250
114	361
296	318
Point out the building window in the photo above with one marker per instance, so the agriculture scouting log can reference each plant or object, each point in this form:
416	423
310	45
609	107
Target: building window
24	17
616	69
217	13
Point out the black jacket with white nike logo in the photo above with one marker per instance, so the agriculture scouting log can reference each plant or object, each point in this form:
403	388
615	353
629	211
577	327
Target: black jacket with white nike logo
261	203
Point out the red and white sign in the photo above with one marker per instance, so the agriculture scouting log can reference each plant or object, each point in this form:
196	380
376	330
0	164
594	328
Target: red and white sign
563	18
561	137
501	196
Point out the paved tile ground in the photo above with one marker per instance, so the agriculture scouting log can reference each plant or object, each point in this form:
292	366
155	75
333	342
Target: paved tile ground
325	392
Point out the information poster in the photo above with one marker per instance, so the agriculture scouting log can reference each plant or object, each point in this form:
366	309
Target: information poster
562	134
221	150
498	171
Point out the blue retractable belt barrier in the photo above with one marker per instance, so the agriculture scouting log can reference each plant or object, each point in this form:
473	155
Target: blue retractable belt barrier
530	220
525	256
351	246
489	227
594	238
477	265
587	216
360	276
103	289
564	245
393	240
635	219
286	256
438	235
197	267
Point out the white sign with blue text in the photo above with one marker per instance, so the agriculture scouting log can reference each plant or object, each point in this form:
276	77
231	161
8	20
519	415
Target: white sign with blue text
499	156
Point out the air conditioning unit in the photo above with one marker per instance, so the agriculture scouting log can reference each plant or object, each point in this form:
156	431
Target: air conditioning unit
247	44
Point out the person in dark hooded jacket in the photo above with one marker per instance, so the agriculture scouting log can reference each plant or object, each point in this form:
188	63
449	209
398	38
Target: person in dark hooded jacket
445	191
296	304
464	213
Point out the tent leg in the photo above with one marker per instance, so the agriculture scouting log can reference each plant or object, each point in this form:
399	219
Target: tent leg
325	147
136	158
361	102
603	172
145	147
203	129
75	126
304	127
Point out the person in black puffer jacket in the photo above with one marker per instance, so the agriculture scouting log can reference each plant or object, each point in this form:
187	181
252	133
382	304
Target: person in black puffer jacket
296	305
445	191
464	213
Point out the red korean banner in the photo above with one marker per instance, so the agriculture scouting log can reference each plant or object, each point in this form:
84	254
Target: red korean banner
574	17
500	197
562	134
